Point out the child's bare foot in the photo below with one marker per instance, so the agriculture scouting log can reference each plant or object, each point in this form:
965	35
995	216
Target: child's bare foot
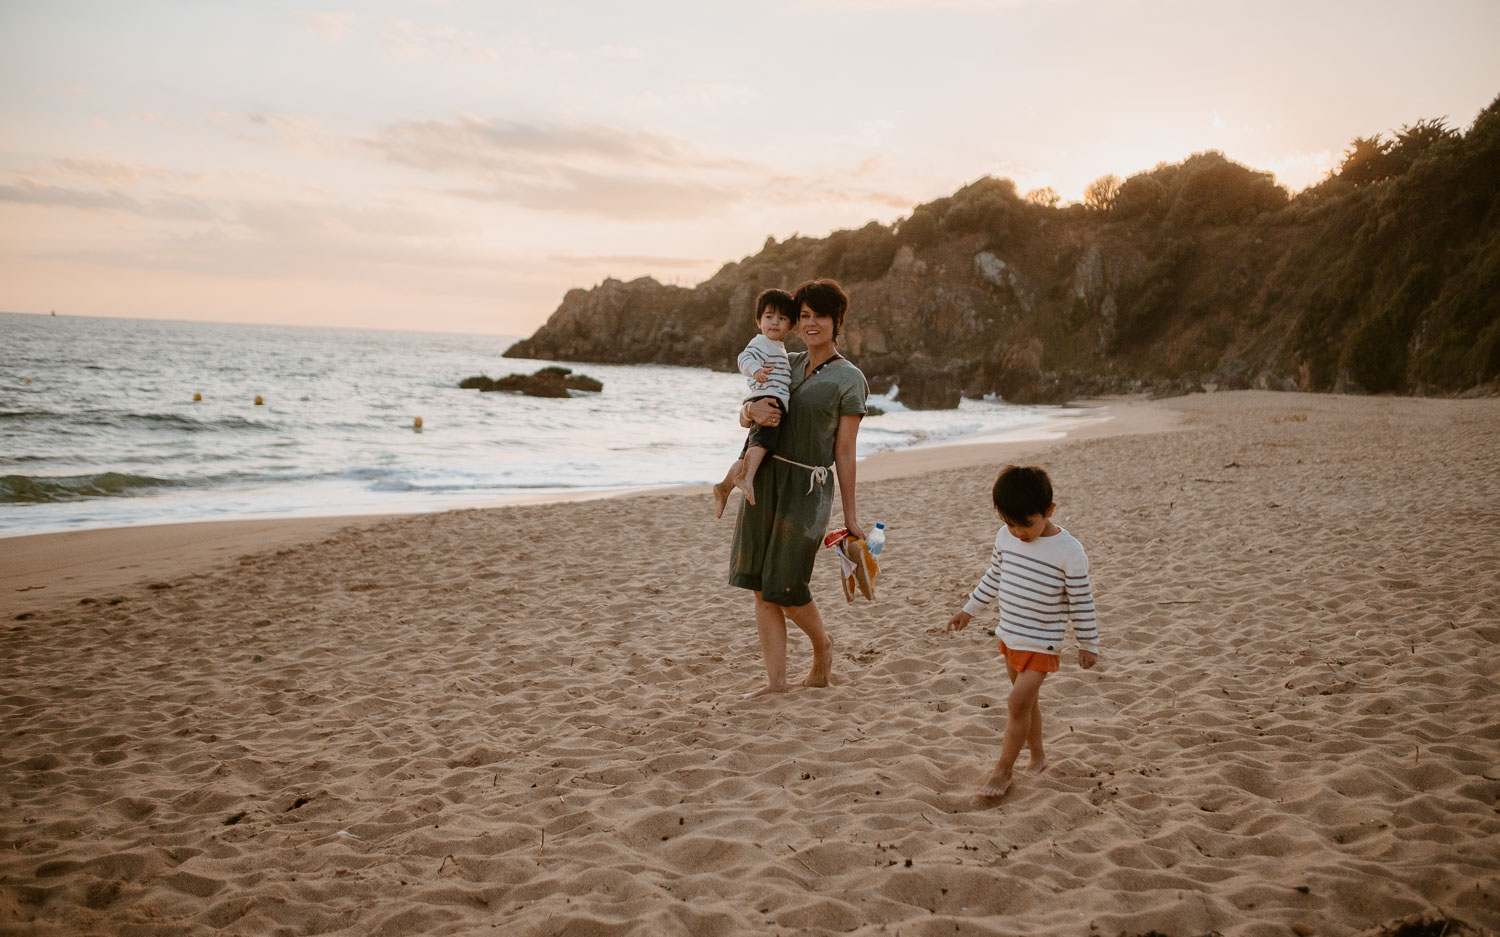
721	497
822	666
996	787
765	691
1037	765
746	485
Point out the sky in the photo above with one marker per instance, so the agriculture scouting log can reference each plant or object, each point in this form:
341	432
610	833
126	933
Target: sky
459	166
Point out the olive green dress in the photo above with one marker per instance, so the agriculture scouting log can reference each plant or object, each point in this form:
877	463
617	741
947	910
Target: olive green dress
776	540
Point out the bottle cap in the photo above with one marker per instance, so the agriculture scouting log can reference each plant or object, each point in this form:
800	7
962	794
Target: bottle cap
880	525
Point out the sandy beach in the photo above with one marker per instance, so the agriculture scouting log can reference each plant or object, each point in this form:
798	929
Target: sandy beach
525	720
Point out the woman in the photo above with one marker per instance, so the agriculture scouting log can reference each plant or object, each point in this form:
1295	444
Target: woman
776	539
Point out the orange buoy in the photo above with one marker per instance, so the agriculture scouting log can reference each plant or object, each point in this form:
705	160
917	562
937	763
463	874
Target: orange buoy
417	424
197	398
258	401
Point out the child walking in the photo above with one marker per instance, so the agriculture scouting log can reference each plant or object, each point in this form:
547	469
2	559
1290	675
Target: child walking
768	376
1040	575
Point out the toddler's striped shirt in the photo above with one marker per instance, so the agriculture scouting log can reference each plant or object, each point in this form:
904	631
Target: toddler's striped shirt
762	352
1041	585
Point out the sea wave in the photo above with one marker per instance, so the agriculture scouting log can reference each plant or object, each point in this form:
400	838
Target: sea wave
189	424
114	419
31	489
113	438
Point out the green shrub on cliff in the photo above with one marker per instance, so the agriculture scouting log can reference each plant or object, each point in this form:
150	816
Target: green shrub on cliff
865	254
1377	353
1143	194
919	229
1213	190
984	206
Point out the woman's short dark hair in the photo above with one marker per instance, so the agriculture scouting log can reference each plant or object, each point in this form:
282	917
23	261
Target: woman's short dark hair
779	300
826	298
1022	492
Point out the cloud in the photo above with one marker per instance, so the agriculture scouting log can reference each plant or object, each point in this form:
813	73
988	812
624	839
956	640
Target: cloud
73	170
304	222
841	187
471	144
295	131
102	171
625	175
179	207
159	193
630	198
221	251
582	169
620	52
922	6
331	26
407	40
632	261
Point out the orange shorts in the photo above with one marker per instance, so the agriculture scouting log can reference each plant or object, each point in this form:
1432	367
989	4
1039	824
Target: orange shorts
1030	660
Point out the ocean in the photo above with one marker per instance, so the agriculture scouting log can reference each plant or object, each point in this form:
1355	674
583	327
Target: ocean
99	426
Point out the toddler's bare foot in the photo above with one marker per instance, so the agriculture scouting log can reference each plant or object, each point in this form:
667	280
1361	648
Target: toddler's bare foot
996	787
822	666
1037	765
746	487
765	690
721	497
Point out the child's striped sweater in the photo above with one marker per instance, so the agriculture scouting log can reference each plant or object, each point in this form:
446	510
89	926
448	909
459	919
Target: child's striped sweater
1042	585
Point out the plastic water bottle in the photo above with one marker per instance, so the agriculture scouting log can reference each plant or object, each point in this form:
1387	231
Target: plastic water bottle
876	543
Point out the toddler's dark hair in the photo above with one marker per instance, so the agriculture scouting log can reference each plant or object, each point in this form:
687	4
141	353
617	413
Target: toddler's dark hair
1022	492
779	300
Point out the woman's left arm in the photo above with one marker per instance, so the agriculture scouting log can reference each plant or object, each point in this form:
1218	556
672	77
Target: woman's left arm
843	466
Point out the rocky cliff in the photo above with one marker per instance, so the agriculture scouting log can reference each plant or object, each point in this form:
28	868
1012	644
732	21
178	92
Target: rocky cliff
1203	270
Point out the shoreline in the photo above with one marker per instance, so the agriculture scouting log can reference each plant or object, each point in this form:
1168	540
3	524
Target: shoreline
40	570
189	504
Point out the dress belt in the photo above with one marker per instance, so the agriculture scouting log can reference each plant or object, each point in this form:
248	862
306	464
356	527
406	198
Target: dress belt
818	473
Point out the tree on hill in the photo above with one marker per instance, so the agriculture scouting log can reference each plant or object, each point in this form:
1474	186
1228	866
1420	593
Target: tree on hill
1373	159
1367	160
919	229
1214	190
864	254
1100	194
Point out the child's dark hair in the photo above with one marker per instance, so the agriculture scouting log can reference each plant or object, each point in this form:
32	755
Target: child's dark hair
826	298
778	300
1022	492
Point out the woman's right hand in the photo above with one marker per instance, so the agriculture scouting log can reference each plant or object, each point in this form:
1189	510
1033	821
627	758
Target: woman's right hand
763	412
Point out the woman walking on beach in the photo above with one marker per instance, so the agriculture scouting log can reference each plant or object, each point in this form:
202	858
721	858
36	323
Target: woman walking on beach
776	539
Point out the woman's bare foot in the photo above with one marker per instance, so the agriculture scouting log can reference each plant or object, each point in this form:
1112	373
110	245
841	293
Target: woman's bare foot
721	497
997	786
822	666
765	691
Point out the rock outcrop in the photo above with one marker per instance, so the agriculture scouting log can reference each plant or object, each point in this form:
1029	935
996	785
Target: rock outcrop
925	385
1204	273
550	381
